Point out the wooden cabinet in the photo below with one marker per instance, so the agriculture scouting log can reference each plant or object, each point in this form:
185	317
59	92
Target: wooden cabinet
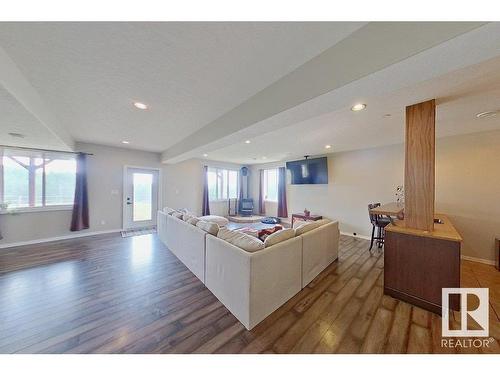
418	264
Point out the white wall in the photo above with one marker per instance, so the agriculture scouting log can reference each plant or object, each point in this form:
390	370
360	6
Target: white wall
467	188
183	185
105	188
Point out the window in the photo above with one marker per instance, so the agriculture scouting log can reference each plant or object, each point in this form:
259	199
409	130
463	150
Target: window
33	180
222	184
271	185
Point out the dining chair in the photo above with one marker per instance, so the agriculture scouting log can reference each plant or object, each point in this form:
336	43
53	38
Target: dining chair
378	222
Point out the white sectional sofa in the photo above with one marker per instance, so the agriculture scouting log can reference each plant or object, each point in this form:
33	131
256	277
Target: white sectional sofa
251	284
187	242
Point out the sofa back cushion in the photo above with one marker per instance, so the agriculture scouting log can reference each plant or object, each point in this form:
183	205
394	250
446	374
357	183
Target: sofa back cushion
242	240
307	227
221	221
208	227
279	236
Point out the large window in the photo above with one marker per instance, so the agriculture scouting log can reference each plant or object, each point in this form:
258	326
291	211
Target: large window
222	184
271	185
36	180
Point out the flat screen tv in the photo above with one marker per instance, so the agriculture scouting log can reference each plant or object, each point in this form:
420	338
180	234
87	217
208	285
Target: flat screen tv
308	171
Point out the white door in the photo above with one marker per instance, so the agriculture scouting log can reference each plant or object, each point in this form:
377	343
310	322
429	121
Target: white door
140	197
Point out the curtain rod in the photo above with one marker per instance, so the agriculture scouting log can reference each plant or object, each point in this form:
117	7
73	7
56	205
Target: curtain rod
45	150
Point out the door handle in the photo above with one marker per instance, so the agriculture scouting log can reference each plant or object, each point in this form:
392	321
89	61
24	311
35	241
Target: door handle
128	201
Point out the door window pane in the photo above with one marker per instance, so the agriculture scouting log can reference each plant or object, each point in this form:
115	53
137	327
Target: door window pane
143	196
60	182
16	183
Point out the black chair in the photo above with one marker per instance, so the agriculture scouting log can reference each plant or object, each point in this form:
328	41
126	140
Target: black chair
379	222
246	207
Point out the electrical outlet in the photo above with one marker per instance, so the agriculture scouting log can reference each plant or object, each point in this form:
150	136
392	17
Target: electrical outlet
103	222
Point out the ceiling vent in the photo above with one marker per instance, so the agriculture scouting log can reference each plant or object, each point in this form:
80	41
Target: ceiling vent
17	135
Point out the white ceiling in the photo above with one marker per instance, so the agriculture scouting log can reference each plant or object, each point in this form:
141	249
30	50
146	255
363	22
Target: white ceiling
461	95
89	74
14	118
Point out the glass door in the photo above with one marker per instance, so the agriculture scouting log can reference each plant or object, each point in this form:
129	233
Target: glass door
141	197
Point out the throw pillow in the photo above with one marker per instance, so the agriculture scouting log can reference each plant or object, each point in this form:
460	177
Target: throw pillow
177	214
307	227
208	227
279	236
168	210
263	233
221	221
241	240
193	220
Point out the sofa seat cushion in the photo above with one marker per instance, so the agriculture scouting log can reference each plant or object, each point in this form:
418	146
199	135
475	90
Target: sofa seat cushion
208	227
219	220
250	231
279	236
243	241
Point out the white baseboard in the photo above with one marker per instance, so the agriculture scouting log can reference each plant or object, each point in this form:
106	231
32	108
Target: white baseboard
356	236
58	238
479	260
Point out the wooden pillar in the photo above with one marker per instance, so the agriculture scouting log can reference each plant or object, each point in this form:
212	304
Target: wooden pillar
419	165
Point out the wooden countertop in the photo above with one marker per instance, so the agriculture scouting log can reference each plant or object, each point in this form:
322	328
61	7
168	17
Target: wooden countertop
445	231
388	209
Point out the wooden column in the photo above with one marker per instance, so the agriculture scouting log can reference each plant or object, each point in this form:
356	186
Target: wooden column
419	165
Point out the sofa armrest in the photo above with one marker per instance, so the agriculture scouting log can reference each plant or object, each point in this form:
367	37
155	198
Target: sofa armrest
227	275
276	277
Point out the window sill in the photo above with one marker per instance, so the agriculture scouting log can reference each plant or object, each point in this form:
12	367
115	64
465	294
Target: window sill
23	210
268	201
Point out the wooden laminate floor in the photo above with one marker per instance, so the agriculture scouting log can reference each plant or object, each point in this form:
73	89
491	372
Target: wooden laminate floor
108	294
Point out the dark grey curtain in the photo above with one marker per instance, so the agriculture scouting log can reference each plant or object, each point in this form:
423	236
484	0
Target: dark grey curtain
282	209
80	217
262	205
205	209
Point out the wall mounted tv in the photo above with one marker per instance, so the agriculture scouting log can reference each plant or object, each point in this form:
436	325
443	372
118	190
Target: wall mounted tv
308	171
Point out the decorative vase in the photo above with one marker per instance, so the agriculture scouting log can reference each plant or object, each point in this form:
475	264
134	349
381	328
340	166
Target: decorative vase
307	212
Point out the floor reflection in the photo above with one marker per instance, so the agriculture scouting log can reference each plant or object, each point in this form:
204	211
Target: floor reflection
141	251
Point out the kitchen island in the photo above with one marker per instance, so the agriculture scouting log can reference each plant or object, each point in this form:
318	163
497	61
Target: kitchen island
419	263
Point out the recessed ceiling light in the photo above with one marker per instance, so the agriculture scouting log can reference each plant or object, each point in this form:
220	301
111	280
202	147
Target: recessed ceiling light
328	146
205	155
358	107
140	105
264	157
17	135
486	114
125	142
247	141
